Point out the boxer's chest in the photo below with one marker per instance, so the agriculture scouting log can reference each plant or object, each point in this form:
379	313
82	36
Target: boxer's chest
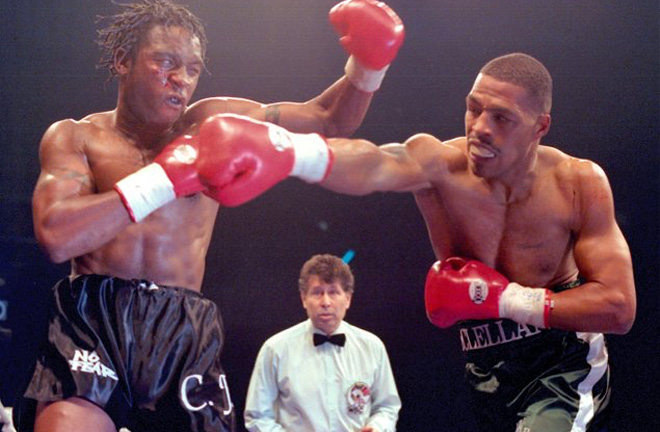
530	239
113	159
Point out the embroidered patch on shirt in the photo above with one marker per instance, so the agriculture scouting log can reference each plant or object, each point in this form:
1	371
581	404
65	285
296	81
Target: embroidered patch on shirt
358	397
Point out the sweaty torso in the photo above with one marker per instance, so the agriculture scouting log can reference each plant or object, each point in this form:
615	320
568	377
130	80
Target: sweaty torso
526	236
169	246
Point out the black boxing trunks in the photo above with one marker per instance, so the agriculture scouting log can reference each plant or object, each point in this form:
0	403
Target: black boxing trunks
526	379
148	355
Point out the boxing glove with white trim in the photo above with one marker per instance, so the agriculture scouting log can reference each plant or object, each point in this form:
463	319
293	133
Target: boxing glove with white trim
172	174
458	289
372	33
240	158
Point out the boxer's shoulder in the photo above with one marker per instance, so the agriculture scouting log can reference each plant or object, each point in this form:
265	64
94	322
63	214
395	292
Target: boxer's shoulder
93	145
77	132
423	144
436	157
567	169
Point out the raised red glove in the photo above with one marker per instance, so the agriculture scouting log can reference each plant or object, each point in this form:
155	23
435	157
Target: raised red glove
372	33
370	30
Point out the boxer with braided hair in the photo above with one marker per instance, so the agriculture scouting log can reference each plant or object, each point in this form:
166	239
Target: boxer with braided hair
131	341
126	29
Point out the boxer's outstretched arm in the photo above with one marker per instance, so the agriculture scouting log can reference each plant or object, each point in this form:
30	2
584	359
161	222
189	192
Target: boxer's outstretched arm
371	33
361	167
69	217
606	302
337	112
240	158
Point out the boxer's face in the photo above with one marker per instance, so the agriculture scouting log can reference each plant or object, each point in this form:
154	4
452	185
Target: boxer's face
502	127
326	303
160	79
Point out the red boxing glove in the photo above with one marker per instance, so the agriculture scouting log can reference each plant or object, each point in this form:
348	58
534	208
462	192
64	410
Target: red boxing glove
178	160
372	33
240	158
457	289
171	175
370	30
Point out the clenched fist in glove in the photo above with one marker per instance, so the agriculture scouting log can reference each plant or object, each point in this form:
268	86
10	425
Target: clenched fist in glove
233	159
240	158
458	289
171	175
372	33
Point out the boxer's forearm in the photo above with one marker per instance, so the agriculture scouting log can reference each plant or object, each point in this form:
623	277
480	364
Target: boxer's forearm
336	112
75	226
592	307
360	167
371	33
344	108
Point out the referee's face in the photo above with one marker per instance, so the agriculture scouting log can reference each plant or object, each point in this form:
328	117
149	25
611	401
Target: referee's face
326	303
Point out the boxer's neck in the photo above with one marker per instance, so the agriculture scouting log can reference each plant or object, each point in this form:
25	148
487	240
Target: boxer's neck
141	134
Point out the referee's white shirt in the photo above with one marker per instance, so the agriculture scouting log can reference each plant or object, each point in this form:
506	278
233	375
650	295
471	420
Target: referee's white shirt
297	387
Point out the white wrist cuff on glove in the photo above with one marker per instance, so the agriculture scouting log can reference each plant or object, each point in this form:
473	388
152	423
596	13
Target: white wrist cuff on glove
524	305
312	157
145	190
367	80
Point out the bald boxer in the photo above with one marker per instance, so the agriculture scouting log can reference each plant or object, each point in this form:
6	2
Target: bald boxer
532	265
132	342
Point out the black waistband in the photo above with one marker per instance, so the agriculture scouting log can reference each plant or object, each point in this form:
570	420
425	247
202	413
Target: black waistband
567	285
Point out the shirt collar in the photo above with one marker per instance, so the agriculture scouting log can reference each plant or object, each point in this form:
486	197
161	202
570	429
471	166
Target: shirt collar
342	328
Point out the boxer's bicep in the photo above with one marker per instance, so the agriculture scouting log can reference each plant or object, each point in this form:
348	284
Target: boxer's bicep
296	117
65	172
601	251
201	110
293	116
361	167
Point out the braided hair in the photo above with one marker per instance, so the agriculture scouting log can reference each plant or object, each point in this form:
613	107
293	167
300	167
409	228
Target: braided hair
127	29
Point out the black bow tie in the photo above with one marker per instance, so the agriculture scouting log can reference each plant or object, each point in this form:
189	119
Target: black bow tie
337	339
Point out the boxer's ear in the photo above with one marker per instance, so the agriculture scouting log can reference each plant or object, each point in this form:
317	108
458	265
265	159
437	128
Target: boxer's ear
543	125
121	61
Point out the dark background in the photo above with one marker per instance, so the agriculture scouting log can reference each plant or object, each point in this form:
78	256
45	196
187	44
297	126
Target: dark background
603	55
